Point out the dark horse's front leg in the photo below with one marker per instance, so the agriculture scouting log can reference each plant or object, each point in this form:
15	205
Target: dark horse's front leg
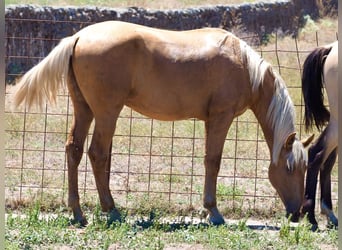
310	189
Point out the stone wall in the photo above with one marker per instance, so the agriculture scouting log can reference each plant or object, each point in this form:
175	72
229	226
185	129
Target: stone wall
32	31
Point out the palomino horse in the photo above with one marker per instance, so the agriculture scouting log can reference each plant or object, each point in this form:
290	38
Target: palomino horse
321	67
208	74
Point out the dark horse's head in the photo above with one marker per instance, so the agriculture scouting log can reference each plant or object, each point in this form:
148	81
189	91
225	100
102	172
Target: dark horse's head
287	175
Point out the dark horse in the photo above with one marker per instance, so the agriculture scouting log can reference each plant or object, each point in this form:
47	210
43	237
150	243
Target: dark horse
208	74
321	67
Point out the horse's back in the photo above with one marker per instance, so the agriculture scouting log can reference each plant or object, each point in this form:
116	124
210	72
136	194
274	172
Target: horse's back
110	34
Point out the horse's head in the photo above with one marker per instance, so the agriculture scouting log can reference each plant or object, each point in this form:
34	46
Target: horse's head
287	175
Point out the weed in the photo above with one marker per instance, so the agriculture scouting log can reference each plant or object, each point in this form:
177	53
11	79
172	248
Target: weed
227	192
297	235
32	230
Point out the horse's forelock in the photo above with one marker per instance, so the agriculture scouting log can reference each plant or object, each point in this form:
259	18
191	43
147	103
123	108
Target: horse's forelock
298	157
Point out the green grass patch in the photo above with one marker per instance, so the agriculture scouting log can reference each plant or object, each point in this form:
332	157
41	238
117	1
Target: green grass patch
33	230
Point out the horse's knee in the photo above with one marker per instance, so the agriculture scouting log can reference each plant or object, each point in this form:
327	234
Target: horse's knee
308	206
74	153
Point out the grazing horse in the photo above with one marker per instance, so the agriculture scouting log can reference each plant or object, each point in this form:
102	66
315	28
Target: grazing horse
321	68
208	74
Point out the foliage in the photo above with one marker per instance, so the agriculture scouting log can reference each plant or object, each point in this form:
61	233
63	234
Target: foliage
32	229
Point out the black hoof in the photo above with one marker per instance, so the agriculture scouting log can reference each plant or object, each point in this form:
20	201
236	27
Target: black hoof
81	222
333	221
332	225
314	228
114	216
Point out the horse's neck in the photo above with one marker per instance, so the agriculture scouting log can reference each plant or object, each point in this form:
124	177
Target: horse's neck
272	122
260	108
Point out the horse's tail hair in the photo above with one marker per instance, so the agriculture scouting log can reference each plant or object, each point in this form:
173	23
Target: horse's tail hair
42	82
312	88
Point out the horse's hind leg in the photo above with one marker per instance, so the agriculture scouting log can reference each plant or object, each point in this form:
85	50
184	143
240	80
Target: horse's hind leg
100	157
325	182
74	151
316	154
82	118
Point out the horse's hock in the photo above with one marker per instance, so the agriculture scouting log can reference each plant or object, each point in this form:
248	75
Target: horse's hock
53	23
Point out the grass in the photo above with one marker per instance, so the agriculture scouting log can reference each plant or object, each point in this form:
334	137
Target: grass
153	4
32	229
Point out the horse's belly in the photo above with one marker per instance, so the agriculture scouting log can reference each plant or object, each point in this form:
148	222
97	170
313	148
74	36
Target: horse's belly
166	108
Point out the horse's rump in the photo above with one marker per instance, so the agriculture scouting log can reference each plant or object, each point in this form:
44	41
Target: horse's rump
312	88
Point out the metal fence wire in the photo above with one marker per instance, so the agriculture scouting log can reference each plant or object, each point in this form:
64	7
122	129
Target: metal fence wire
153	162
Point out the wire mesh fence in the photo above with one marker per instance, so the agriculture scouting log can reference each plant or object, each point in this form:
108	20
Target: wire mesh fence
152	161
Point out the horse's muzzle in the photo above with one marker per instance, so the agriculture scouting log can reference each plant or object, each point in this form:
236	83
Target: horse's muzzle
293	213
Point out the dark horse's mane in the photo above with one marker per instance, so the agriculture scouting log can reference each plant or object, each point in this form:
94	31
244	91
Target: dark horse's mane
312	88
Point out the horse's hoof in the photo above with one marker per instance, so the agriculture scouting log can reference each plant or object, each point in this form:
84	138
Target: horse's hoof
331	226
314	227
332	220
81	221
216	221
114	216
332	223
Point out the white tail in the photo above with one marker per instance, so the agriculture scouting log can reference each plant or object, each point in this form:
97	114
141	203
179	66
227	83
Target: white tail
42	82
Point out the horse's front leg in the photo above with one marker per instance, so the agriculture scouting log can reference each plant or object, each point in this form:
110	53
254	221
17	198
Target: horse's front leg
325	181
114	214
216	132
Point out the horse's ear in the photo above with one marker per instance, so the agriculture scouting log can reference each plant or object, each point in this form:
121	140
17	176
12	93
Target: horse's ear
307	141
290	140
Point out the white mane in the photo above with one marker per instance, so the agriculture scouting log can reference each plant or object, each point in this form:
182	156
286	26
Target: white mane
281	112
